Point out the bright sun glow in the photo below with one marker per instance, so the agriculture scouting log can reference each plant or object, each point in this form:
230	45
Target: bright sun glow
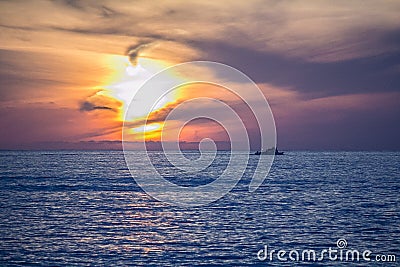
126	81
147	128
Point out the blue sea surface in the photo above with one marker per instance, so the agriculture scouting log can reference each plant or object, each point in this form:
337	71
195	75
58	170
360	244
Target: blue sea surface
83	208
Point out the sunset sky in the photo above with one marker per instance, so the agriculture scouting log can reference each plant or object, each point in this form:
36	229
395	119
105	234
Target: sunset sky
329	69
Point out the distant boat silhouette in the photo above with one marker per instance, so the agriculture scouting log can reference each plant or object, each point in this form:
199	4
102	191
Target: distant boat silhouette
269	151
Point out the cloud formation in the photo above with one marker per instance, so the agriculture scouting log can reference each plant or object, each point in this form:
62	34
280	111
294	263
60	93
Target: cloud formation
134	50
317	31
99	101
87	106
349	46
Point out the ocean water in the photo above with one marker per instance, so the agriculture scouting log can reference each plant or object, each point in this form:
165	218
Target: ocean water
75	208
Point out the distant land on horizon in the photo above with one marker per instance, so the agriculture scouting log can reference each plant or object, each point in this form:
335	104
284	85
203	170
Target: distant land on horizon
156	146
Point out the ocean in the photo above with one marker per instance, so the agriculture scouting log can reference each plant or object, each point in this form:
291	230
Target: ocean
83	208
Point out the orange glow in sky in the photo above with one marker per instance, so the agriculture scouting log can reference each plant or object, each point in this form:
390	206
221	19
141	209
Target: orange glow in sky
126	80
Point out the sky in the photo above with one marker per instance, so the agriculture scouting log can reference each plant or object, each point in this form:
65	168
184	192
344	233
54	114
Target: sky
329	69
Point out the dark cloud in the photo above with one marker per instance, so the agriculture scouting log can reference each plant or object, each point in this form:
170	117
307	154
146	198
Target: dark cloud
71	3
113	31
107	12
88	106
99	101
133	52
312	79
13	27
86	6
